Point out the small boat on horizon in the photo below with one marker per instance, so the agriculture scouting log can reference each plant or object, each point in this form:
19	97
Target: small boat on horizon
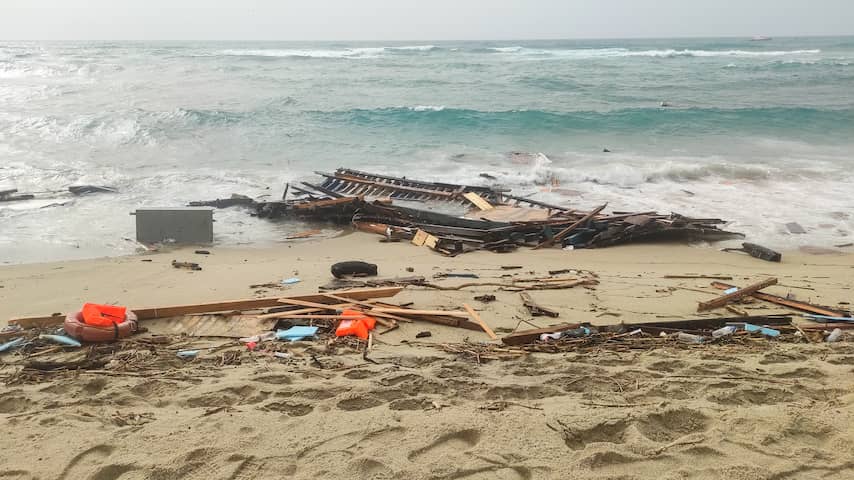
760	38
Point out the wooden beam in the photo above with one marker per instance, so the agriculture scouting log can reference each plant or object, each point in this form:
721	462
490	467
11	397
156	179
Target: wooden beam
370	306
535	309
793	304
566	231
742	292
407	311
246	304
480	322
478	201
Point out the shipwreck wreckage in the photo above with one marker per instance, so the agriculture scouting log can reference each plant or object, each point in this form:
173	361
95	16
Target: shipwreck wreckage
496	220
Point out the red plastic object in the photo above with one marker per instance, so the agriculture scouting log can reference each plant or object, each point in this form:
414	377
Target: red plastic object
359	326
103	315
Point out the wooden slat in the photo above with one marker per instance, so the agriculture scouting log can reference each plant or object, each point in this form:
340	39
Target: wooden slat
474	315
372	312
793	304
406	311
742	292
246	304
478	201
566	231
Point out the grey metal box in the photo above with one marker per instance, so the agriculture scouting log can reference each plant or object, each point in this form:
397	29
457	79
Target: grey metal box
181	225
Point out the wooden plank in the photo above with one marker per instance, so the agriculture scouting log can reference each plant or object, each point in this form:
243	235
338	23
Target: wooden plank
793	304
478	201
530	336
407	311
246	304
742	292
566	231
325	203
372	312
535	309
389	186
419	238
304	303
480	322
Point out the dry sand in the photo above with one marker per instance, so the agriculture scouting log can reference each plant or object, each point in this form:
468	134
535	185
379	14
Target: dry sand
775	411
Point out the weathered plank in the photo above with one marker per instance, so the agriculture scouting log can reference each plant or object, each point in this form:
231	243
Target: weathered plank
742	292
474	315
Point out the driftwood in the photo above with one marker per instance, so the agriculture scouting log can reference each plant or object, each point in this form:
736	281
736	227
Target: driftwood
474	315
246	304
742	292
536	309
793	304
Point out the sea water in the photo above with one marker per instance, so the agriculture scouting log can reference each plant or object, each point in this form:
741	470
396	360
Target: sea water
758	133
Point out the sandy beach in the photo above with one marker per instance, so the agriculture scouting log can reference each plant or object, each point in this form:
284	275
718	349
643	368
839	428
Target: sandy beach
765	411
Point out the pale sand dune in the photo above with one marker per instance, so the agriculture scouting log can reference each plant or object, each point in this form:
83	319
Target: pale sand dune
776	411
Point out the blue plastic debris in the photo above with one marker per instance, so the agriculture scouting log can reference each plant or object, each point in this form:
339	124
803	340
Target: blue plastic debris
297	333
730	290
829	318
187	354
62	339
768	332
12	344
290	281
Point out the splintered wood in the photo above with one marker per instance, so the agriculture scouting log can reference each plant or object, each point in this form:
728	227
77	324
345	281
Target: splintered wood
740	293
478	201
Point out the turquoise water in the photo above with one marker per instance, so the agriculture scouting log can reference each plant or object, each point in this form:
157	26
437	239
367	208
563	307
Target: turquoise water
761	124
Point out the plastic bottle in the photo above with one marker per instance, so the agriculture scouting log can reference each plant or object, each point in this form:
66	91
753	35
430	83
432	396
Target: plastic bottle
689	338
834	336
578	332
725	331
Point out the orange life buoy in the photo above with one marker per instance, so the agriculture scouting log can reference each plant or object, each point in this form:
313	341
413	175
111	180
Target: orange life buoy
102	315
77	328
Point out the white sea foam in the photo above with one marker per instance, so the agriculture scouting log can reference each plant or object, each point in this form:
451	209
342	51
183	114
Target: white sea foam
356	52
663	53
427	108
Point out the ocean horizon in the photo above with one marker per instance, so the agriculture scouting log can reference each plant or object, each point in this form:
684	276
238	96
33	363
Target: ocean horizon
755	132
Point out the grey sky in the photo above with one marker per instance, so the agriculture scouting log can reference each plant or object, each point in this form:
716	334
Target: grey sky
416	19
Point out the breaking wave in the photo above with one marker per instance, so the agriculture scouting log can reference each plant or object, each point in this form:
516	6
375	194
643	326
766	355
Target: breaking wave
671	121
663	53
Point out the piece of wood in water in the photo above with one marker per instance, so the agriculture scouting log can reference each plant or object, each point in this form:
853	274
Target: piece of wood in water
478	201
742	292
638	220
536	309
474	315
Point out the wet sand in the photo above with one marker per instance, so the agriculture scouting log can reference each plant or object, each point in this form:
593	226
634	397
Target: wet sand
768	411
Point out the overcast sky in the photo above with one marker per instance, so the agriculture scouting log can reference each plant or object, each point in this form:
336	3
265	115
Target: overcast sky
416	19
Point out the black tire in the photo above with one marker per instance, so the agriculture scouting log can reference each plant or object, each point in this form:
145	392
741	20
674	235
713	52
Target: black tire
341	269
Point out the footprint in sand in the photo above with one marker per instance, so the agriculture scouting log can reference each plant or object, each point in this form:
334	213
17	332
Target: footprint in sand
449	443
609	431
669	425
94	464
361	402
290	408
